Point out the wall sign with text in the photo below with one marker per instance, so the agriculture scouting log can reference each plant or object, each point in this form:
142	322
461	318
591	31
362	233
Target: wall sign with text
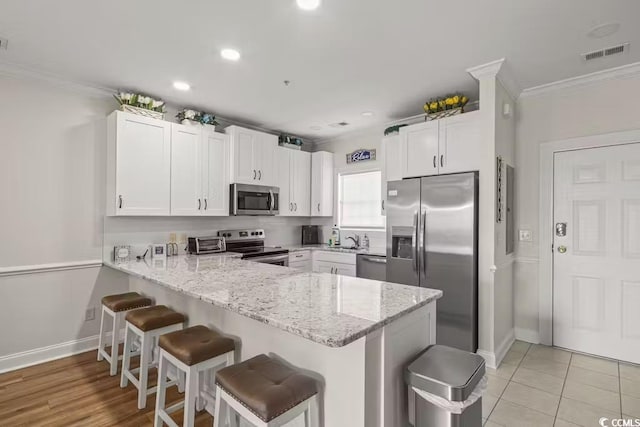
361	155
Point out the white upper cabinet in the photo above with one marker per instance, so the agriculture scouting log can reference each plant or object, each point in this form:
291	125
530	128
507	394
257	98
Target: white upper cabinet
321	184
138	165
420	149
199	172
186	170
301	162
215	173
294	180
253	156
392	161
460	146
449	145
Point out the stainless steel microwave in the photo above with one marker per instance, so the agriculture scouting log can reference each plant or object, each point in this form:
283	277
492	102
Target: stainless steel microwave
253	200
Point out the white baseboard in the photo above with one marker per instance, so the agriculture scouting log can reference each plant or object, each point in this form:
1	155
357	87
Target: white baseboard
40	355
493	359
528	335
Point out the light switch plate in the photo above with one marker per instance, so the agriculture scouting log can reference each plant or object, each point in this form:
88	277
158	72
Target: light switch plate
525	235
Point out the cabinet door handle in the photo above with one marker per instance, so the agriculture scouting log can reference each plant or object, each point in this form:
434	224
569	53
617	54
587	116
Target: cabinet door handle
434	161
331	270
259	175
441	160
120	201
318	207
290	206
254	174
383	205
199	204
299	256
295	207
205	204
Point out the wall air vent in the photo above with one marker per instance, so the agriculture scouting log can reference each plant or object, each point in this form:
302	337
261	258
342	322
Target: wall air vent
339	125
614	50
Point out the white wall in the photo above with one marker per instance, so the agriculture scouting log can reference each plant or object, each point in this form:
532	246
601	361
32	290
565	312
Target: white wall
370	139
597	108
51	187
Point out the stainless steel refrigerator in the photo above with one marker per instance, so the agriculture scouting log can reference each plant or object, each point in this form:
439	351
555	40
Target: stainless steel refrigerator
432	242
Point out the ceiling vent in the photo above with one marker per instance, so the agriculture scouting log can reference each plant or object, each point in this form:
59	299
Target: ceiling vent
3	43
339	125
614	50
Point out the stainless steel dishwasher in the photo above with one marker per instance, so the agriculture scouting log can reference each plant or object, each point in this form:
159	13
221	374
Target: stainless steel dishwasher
371	267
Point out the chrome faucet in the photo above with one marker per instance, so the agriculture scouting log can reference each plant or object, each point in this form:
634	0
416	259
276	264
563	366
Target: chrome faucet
356	241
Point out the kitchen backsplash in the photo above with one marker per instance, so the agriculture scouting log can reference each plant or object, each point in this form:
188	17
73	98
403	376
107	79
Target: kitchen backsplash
140	232
377	238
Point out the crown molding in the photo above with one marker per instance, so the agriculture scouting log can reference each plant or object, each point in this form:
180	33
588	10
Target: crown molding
500	70
624	71
25	73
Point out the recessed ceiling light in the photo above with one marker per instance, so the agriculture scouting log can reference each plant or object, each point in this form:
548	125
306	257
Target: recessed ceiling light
604	30
308	4
315	127
367	113
181	86
230	54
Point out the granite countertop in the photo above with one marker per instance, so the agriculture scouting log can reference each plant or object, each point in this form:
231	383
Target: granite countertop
329	309
323	247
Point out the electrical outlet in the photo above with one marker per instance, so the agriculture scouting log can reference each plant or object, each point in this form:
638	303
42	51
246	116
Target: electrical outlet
183	238
90	314
525	236
172	238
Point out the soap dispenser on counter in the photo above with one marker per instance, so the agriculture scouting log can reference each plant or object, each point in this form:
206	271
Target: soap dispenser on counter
365	242
335	235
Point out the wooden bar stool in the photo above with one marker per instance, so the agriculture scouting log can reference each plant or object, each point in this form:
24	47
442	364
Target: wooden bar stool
194	351
266	393
147	324
117	306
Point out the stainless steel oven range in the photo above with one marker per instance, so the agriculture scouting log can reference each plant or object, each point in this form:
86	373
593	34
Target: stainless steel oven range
250	243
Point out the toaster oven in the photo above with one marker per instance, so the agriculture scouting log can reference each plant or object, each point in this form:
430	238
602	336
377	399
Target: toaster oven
206	245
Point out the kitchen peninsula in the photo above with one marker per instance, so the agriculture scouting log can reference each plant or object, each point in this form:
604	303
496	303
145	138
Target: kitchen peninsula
354	335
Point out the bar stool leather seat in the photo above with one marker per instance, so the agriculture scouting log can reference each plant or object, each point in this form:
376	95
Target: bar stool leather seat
156	317
124	302
195	344
265	386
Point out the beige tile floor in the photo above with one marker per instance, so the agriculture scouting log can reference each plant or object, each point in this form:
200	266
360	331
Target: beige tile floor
543	386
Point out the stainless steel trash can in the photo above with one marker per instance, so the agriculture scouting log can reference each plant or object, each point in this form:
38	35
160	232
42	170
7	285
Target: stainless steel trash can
449	374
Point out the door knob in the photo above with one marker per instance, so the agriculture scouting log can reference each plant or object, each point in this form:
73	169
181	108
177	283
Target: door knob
562	249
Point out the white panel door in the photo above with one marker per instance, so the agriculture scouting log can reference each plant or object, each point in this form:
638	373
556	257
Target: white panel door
420	149
461	148
597	262
215	174
143	165
186	170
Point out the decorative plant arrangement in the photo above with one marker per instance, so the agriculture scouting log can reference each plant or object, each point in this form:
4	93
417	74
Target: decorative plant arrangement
290	142
393	129
187	116
141	104
445	107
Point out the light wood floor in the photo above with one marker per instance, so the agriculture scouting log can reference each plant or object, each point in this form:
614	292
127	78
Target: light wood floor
77	391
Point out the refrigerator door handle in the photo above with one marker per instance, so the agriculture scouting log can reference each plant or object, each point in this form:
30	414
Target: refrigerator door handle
424	242
414	241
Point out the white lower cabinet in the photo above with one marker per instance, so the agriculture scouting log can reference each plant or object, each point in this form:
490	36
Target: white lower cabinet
334	263
301	260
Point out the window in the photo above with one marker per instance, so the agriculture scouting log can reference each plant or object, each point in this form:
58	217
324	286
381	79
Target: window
359	200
